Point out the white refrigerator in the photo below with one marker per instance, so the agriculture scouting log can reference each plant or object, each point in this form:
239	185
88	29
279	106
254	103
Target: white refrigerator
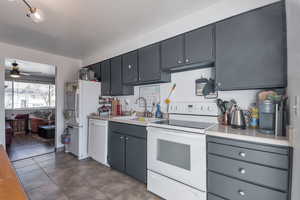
82	99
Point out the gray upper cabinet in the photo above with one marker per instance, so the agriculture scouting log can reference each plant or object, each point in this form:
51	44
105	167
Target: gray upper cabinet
150	67
105	78
251	50
117	86
199	45
130	67
96	68
191	50
172	54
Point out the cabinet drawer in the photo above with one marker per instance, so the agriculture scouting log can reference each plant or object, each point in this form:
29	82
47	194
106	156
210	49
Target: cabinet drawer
213	197
265	176
128	129
233	189
250	155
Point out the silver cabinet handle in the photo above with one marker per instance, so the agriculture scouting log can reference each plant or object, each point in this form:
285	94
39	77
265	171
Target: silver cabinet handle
179	62
242	154
129	66
121	137
187	60
127	138
242	170
241	192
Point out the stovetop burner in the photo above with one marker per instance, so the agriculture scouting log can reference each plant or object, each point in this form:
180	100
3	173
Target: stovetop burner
186	124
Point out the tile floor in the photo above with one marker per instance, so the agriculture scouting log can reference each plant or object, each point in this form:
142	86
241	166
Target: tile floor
26	146
60	176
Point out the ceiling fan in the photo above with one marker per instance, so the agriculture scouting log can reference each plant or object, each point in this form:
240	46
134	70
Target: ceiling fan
15	72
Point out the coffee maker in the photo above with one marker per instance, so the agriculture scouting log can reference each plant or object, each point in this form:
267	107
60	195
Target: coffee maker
271	117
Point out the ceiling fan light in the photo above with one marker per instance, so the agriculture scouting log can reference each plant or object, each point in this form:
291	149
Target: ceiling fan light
13	75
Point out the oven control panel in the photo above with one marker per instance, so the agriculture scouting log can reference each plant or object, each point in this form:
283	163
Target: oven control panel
194	108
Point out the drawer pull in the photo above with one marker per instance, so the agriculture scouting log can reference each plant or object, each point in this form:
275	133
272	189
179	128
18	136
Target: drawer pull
242	170
242	154
241	192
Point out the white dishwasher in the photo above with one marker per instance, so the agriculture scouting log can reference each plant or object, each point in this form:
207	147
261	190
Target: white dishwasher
97	146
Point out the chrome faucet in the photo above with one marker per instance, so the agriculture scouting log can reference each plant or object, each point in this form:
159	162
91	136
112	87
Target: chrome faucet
145	105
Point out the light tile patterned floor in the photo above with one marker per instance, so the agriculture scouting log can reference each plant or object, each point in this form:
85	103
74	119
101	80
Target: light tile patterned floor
60	176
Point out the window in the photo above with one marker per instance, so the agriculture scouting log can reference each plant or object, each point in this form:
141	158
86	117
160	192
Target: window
20	95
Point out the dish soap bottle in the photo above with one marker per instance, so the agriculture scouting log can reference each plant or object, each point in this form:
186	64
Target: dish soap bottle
158	113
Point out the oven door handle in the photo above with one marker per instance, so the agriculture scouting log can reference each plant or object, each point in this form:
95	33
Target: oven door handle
174	133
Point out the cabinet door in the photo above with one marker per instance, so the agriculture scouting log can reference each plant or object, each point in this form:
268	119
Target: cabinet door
117	151
117	87
105	77
172	52
149	63
199	45
136	158
116	76
130	67
250	50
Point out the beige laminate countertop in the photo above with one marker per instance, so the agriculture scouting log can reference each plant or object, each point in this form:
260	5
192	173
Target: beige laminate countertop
124	119
250	135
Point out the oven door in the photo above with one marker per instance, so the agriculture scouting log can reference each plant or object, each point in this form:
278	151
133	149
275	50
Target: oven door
178	155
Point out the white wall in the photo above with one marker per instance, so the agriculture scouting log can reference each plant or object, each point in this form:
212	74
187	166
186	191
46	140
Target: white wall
66	69
293	30
214	13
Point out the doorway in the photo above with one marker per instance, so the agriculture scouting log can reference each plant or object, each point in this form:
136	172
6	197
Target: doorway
30	108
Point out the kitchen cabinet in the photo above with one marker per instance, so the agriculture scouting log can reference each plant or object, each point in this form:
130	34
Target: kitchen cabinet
246	170
172	52
96	68
136	158
130	67
199	45
150	65
117	151
251	50
128	149
117	86
105	78
191	50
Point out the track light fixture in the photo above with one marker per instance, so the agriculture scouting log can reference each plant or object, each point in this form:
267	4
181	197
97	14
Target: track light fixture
35	14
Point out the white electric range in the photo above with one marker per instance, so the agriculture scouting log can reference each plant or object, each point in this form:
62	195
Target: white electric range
176	151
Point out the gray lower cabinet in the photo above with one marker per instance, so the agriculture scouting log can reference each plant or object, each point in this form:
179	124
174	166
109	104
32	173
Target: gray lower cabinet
117	86
150	66
136	158
130	67
117	151
127	149
105	78
251	49
239	170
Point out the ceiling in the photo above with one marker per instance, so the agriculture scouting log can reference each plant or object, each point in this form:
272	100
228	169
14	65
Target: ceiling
77	28
32	68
